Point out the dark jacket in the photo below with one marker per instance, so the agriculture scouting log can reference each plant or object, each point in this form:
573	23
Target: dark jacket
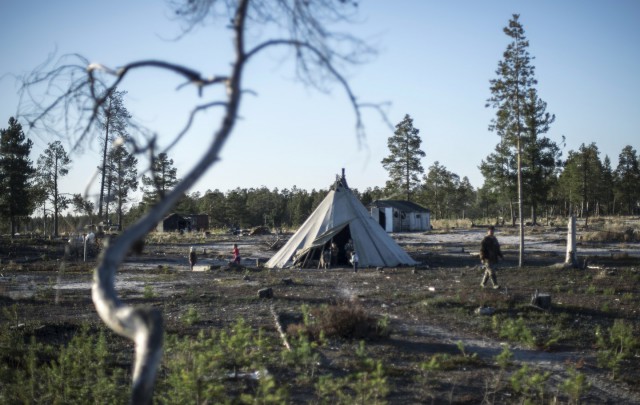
490	249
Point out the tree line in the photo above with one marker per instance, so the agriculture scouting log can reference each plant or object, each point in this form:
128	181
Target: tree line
584	184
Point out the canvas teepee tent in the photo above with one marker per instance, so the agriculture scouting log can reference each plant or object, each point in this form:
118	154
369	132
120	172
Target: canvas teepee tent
339	218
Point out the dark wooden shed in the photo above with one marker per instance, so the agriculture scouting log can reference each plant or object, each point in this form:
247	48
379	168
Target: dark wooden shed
173	222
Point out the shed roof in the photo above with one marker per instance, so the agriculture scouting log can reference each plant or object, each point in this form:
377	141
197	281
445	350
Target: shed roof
402	205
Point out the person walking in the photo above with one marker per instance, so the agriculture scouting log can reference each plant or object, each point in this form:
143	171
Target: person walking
193	258
489	253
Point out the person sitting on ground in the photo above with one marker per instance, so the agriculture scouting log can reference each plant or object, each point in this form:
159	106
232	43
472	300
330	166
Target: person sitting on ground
193	258
236	255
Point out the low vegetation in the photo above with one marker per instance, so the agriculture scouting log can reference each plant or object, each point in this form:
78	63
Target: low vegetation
408	335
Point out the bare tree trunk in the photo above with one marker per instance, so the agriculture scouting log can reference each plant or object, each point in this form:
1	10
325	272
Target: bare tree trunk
571	259
107	199
534	218
104	160
521	250
512	213
55	198
119	212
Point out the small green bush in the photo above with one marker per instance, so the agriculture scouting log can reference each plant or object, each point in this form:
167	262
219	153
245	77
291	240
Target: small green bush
575	385
368	385
514	330
192	316
80	373
148	292
530	385
615	345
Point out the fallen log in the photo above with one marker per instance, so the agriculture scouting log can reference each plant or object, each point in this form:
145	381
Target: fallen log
283	335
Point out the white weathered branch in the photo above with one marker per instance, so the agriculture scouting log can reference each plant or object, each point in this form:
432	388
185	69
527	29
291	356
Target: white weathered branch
283	335
142	325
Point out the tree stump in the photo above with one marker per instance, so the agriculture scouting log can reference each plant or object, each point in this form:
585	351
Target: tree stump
571	259
265	293
541	300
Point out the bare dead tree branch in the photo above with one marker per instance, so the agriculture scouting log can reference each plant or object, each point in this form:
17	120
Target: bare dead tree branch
193	77
142	325
324	61
312	45
192	116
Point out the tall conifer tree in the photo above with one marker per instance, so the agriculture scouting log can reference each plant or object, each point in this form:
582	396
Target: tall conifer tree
403	162
113	120
15	172
509	92
123	177
52	165
627	176
161	180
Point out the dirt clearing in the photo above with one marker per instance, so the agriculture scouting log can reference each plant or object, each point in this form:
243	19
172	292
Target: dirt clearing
445	338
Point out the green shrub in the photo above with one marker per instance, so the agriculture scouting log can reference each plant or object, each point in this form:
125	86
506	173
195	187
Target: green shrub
196	369
80	373
515	330
368	385
192	316
615	345
303	356
504	358
148	293
575	385
530	385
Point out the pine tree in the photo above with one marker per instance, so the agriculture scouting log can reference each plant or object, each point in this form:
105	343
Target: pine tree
113	119
500	178
581	180
627	182
15	174
82	205
608	192
403	162
440	190
509	92
540	155
123	177
52	165
161	180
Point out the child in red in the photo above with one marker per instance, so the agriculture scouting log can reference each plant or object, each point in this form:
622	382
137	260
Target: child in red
236	254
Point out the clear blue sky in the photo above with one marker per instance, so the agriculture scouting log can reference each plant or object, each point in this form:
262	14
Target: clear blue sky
435	61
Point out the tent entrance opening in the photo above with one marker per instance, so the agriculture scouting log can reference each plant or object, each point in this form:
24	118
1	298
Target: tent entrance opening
345	246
